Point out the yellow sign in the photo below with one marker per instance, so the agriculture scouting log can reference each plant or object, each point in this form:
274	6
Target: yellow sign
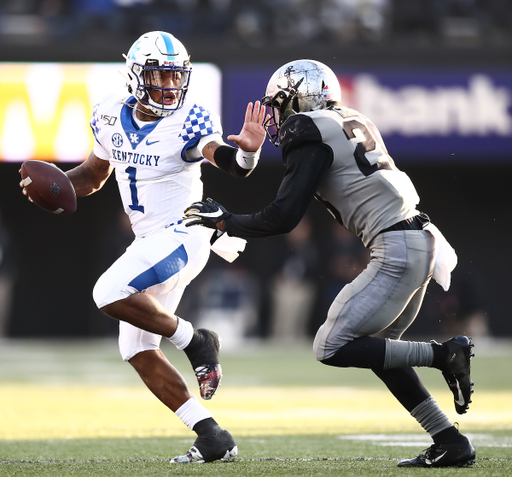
45	108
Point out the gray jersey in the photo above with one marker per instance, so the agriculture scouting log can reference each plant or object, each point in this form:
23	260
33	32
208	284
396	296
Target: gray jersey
338	156
363	188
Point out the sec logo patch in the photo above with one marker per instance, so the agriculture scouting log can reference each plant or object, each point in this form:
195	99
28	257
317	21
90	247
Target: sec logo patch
117	140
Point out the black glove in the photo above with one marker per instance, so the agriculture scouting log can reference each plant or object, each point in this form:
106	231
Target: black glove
207	213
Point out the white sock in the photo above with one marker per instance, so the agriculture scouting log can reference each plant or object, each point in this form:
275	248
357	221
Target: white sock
192	412
183	334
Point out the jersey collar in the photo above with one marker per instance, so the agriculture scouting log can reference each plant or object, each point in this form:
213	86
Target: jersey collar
134	133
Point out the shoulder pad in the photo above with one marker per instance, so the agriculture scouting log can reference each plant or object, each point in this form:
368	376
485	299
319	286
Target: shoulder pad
298	129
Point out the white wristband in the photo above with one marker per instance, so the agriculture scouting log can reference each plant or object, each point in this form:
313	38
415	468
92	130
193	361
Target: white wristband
247	160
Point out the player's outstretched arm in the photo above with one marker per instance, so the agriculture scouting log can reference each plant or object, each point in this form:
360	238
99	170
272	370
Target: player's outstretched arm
252	135
242	161
90	176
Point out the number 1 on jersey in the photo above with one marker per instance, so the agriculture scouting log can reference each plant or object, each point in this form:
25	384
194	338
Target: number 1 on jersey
133	188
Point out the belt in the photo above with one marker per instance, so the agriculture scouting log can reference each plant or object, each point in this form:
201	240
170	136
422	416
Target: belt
418	222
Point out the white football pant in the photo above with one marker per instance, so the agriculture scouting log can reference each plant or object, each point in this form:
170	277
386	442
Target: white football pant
161	265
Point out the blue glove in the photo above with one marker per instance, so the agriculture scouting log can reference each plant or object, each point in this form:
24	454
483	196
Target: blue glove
206	213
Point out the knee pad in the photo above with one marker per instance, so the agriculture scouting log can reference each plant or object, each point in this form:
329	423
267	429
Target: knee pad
107	289
133	340
98	294
365	352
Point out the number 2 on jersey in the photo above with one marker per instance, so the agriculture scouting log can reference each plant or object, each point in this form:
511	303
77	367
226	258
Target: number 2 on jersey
132	172
366	143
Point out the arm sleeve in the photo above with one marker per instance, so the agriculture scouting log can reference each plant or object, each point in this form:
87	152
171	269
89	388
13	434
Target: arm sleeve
305	167
226	160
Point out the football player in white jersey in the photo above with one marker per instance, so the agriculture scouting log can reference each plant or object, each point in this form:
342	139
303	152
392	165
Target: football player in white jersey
155	139
337	155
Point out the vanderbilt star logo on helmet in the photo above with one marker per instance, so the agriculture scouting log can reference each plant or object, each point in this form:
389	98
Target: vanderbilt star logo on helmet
292	85
288	70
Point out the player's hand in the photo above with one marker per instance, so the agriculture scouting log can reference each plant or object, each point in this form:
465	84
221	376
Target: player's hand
252	135
207	213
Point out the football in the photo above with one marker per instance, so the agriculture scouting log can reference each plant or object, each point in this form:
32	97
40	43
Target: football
48	187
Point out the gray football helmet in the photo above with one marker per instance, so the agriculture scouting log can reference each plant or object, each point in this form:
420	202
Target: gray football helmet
298	87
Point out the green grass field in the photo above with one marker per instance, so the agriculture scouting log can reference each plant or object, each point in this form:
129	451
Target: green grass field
73	408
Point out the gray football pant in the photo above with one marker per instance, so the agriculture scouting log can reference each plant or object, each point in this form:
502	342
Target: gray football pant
386	297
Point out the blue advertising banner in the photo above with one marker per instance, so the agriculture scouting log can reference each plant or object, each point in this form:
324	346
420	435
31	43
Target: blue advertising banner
442	116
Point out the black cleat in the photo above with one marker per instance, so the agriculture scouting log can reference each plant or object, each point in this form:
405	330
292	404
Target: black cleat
457	371
203	354
453	454
208	448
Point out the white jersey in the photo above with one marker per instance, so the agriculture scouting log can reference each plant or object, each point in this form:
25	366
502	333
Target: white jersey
155	180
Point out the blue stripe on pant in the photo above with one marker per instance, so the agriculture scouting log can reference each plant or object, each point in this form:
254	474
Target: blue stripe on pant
162	271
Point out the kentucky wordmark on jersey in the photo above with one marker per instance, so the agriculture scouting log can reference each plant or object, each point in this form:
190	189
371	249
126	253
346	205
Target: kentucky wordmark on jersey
156	181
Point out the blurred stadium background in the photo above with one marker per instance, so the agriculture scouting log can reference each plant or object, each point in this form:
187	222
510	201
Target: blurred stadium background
435	76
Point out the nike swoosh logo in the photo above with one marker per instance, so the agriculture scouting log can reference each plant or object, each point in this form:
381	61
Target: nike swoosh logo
152	142
180	231
460	401
211	215
433	461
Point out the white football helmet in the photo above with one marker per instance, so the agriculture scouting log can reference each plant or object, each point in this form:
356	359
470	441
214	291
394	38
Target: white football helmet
150	58
297	87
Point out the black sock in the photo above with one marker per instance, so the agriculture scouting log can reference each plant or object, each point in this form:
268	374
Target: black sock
440	355
206	426
448	435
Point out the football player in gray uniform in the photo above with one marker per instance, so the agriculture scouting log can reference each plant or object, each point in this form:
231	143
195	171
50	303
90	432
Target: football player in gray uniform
337	155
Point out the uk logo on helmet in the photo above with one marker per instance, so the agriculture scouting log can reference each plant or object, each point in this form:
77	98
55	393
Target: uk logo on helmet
134	49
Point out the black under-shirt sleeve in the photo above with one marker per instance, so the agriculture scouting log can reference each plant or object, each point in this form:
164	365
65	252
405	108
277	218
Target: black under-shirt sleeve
225	158
306	163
